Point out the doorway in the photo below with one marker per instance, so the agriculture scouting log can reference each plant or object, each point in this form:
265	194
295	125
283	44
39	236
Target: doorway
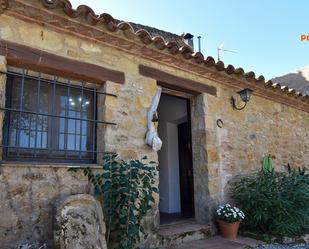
175	160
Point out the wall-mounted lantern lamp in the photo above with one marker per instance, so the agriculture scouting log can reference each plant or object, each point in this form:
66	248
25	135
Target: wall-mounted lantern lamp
245	95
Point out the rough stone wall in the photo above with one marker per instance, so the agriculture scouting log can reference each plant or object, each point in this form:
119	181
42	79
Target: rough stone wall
128	110
28	194
263	127
127	138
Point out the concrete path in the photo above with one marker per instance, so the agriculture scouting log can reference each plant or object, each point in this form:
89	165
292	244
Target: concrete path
218	242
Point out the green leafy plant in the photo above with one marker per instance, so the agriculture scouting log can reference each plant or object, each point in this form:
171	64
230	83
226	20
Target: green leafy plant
267	164
229	214
276	203
127	189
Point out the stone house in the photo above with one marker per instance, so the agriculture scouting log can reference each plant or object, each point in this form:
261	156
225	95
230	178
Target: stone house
74	85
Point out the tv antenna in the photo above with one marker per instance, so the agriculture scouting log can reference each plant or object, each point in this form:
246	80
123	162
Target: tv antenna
221	51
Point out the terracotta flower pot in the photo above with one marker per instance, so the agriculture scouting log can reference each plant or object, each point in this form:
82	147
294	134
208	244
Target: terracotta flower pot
229	230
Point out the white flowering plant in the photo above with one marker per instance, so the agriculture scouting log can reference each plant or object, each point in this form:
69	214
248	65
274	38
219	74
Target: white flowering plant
229	214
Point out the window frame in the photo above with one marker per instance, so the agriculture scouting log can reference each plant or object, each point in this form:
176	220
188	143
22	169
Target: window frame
36	156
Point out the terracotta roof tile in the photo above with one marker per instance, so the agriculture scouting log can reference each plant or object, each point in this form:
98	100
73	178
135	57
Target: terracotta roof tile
168	36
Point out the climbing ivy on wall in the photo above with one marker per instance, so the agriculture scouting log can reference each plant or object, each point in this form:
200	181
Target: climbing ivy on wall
127	189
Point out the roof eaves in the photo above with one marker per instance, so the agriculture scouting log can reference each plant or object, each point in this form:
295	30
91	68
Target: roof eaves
86	14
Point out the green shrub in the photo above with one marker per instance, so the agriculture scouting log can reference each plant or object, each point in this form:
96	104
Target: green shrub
127	189
273	202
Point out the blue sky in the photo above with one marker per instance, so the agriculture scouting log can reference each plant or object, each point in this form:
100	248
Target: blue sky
265	33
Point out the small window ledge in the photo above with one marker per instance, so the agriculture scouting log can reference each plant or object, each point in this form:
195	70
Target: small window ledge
48	165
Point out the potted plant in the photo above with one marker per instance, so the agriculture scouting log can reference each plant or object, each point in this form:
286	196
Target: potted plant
228	218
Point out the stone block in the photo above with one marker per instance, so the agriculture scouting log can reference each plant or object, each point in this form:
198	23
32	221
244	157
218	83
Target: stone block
2	64
6	32
151	86
71	42
142	102
211	138
212	155
143	121
42	38
111	101
129	154
209	121
213	171
80	223
8	217
72	53
213	186
109	115
90	48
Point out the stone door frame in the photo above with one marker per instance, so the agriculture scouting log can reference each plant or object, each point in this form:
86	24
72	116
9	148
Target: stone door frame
205	155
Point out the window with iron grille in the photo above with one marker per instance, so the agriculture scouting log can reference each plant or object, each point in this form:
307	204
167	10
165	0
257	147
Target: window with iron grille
49	120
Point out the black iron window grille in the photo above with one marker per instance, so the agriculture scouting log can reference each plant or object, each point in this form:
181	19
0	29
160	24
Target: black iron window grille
49	119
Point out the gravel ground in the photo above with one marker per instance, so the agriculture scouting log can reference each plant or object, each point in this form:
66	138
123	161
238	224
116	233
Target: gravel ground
276	246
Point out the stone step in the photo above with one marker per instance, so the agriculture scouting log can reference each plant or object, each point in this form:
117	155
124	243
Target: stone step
181	232
218	242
